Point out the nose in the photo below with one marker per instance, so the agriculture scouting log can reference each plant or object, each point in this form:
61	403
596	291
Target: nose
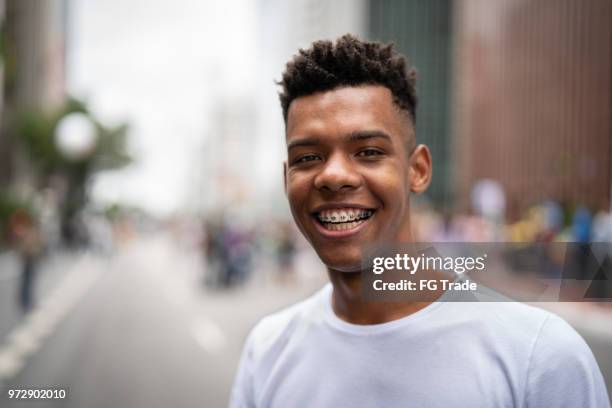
338	174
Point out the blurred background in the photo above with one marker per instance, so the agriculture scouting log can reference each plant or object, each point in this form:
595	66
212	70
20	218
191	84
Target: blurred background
143	224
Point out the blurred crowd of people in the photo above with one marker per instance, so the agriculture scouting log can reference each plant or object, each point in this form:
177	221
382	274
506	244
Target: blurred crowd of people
545	222
232	249
549	241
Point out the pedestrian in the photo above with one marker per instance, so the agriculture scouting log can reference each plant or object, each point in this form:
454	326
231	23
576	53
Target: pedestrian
28	243
285	252
353	162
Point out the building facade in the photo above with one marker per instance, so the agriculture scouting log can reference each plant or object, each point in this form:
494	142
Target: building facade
533	100
34	35
516	91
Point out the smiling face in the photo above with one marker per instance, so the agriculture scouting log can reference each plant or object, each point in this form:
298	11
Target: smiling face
351	166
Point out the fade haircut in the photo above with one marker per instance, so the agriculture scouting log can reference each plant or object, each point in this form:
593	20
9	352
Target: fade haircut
349	62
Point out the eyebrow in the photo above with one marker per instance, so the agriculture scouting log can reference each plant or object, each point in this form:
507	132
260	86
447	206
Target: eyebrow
351	137
368	134
308	141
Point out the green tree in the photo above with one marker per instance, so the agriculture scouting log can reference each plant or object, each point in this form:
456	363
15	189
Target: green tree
35	131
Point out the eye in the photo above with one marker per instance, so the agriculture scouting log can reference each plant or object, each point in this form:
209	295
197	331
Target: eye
370	152
306	158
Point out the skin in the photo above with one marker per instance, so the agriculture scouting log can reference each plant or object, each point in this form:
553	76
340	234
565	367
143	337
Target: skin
354	146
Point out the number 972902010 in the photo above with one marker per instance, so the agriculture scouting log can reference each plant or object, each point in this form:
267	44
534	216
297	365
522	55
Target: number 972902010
37	393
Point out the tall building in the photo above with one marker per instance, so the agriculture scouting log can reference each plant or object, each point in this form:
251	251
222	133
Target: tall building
228	157
533	100
517	91
34	73
4	167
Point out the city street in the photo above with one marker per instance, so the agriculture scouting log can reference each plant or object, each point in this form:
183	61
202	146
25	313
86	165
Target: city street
144	333
154	207
140	330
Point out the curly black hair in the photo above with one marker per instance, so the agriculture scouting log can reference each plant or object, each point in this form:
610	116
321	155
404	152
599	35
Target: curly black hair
349	62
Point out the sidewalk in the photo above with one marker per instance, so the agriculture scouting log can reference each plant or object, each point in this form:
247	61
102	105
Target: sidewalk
51	269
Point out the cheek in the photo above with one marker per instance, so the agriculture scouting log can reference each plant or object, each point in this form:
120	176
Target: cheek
297	191
297	194
389	185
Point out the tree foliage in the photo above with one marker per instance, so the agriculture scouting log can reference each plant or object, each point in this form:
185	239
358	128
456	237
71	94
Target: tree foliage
35	131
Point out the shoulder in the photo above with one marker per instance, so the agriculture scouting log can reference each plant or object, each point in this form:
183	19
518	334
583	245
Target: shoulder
560	343
547	332
551	360
509	321
510	329
562	369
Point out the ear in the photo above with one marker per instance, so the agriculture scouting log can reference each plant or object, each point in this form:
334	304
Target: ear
419	175
285	176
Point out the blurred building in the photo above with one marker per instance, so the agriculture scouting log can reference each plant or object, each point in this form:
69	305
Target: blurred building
534	99
518	91
4	170
34	73
228	156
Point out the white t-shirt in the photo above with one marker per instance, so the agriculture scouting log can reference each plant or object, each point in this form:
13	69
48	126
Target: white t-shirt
449	354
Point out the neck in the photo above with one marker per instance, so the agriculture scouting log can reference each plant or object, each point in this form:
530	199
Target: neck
348	304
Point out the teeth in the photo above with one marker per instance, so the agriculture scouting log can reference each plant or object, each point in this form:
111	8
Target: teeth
343	216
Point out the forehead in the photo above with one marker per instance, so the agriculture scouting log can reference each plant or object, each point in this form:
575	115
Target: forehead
345	110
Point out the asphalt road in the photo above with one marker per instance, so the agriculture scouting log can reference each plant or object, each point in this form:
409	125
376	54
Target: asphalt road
139	330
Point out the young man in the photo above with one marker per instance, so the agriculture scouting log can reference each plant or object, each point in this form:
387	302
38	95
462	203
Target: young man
349	110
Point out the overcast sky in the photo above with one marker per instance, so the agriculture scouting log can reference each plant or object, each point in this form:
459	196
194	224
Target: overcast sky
158	64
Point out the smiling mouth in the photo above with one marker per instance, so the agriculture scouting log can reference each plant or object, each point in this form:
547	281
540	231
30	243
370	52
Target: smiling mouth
342	219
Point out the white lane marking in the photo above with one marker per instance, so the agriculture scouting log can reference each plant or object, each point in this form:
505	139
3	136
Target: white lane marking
28	337
10	364
25	340
209	335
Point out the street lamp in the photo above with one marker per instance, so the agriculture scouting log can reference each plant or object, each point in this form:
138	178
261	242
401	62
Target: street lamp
76	139
75	136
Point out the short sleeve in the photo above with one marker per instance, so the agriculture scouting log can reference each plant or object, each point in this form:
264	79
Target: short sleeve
563	372
242	390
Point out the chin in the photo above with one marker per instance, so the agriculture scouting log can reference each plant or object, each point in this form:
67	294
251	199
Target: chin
341	262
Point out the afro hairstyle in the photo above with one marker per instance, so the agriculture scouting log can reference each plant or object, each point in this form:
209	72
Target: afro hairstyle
349	61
